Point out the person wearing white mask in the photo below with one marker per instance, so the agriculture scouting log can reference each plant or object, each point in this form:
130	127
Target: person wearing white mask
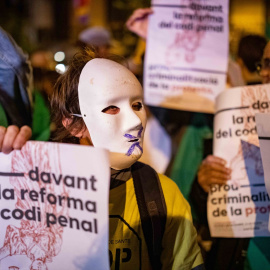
99	102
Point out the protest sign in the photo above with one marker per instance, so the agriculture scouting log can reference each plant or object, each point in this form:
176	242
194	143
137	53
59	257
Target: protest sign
240	208
54	207
186	54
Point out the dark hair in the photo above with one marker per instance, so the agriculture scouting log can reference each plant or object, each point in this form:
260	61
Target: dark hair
65	100
250	50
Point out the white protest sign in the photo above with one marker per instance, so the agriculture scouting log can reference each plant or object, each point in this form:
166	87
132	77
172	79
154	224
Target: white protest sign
187	54
241	207
54	207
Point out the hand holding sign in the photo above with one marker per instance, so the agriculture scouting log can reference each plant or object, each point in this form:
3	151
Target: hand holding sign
213	171
13	137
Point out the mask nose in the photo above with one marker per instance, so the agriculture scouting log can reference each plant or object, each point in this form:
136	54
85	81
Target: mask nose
132	121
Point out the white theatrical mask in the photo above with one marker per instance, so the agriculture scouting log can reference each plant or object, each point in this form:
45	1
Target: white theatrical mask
111	103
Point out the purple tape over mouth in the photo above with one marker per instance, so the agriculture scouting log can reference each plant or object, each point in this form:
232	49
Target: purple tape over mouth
132	148
140	132
139	135
136	144
129	136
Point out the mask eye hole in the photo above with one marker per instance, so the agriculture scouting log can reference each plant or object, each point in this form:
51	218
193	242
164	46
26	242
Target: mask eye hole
111	110
137	106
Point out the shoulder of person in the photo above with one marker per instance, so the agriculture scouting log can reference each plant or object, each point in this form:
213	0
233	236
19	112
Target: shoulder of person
169	185
175	201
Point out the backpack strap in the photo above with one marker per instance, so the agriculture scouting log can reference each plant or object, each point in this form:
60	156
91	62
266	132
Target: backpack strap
152	208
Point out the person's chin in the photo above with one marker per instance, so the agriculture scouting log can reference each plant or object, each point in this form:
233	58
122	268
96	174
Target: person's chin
120	161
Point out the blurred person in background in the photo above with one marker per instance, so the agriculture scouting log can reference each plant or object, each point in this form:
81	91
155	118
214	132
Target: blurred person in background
15	95
264	66
250	52
242	253
22	114
42	58
96	37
